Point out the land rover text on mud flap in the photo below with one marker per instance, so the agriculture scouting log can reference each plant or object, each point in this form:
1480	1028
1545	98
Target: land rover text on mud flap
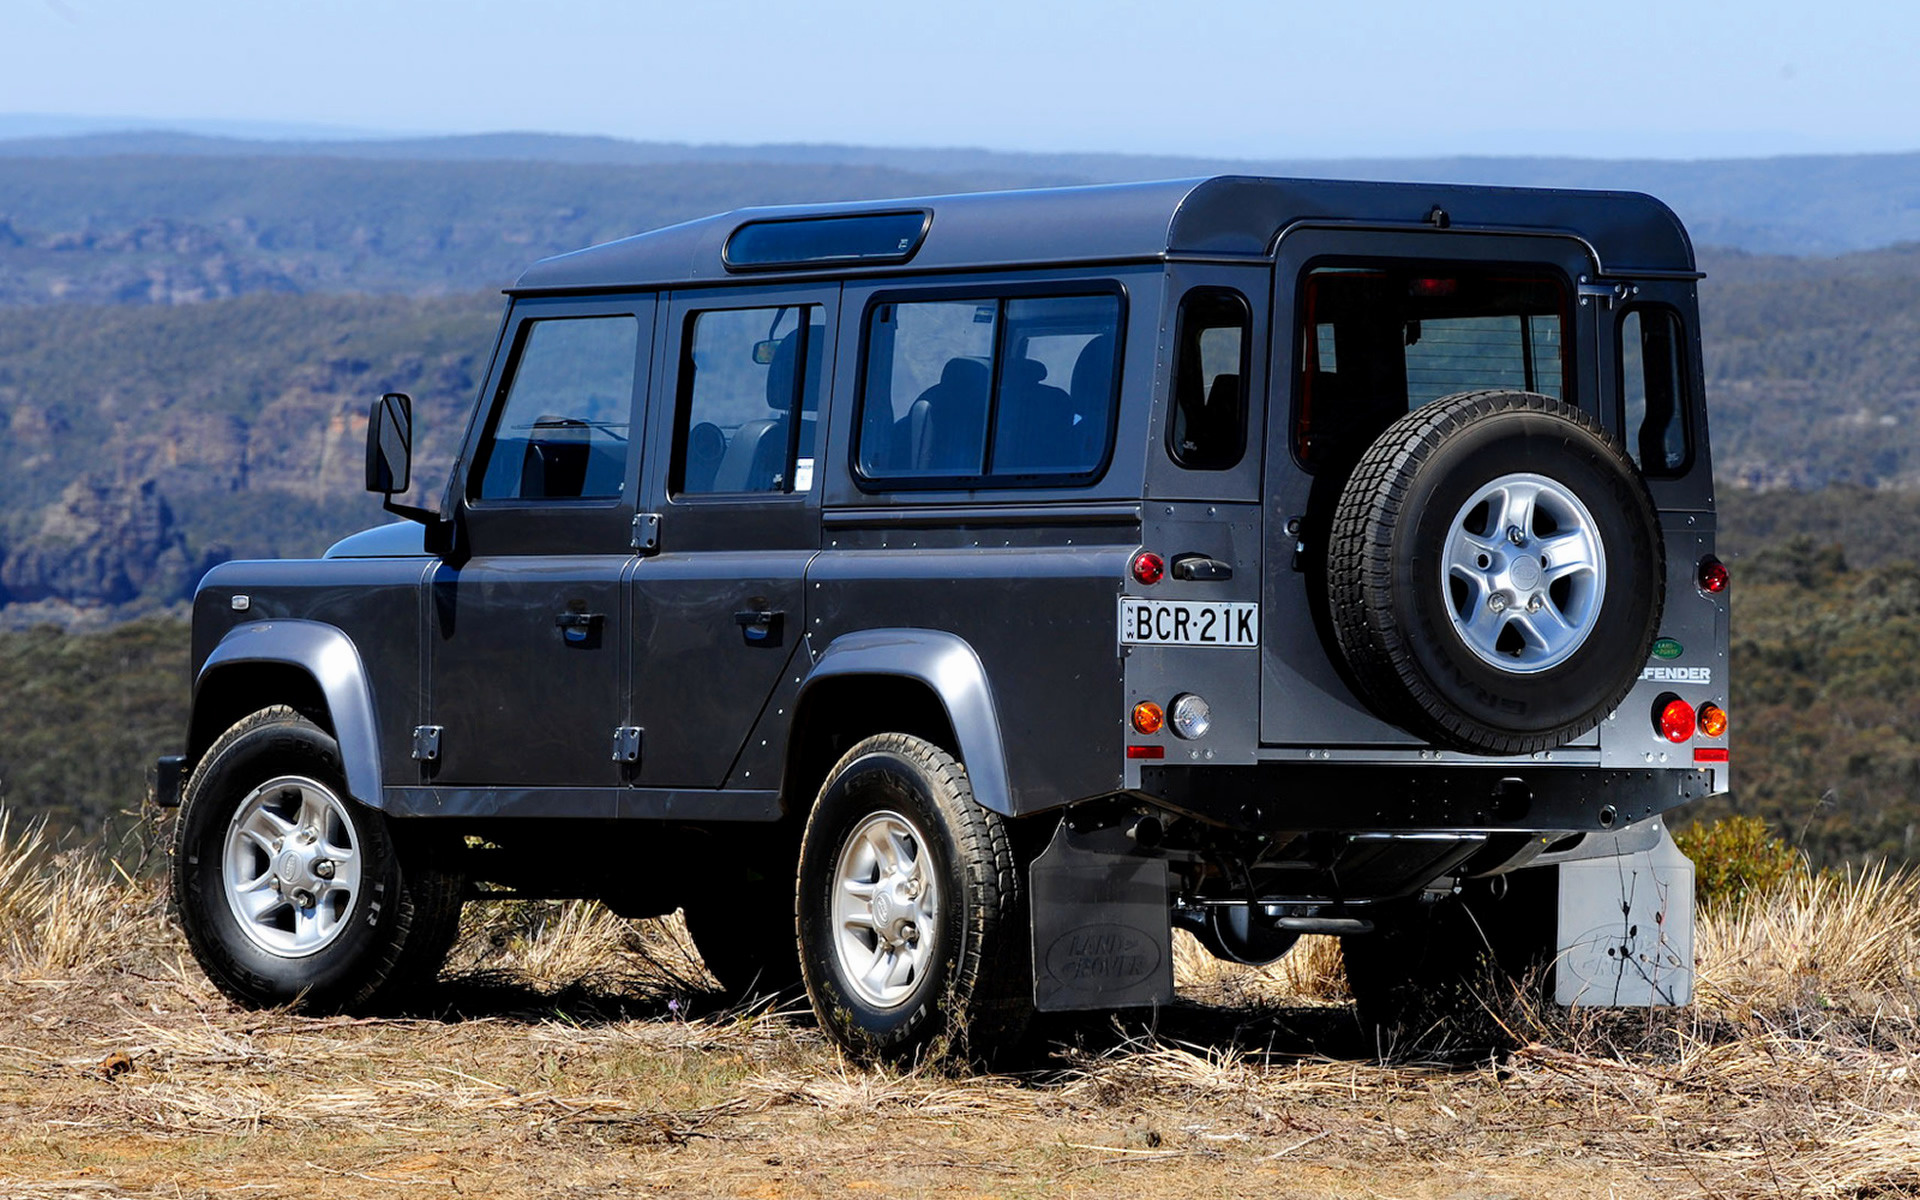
942	601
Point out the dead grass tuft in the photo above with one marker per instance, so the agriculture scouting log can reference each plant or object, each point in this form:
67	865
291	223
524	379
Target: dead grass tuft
1310	973
65	912
1838	945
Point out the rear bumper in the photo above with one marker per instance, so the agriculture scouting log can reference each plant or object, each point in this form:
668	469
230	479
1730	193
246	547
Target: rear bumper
1441	798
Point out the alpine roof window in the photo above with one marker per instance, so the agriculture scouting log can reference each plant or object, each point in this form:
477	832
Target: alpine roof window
560	429
819	241
989	391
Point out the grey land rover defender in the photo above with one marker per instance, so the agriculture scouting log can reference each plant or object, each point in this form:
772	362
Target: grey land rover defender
942	601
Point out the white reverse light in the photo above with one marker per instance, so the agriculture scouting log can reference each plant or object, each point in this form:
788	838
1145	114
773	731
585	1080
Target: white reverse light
1191	716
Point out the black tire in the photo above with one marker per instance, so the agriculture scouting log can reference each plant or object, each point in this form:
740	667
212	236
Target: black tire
973	997
1459	972
1388	581
391	933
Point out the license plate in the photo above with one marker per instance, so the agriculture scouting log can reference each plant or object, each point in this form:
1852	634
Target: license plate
1231	623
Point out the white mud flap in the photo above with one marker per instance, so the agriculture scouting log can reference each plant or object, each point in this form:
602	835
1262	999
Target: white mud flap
1102	933
1626	929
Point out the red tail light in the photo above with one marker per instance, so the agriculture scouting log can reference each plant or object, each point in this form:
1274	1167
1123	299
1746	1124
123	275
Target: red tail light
1713	576
1149	567
1673	718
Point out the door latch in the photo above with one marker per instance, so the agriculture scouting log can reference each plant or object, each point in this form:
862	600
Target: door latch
426	742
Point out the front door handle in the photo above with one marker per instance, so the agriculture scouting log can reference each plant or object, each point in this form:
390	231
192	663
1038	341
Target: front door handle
760	626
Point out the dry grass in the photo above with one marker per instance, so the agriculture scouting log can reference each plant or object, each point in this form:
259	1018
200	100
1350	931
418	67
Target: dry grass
569	1063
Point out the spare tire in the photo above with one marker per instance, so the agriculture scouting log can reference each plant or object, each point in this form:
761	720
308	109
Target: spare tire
1495	572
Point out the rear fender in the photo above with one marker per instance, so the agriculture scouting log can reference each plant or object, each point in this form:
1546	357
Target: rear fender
949	668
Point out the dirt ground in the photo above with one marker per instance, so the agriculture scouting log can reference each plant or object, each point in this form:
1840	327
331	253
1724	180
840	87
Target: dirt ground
568	1052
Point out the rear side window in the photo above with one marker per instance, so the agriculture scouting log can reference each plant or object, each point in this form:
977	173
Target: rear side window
1380	341
1653	390
989	391
1208	429
749	399
560	432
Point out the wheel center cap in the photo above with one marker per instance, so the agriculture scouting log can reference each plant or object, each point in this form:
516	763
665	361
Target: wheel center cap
289	868
1525	570
883	909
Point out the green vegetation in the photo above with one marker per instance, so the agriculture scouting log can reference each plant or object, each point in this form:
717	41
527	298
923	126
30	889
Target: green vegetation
82	717
1735	860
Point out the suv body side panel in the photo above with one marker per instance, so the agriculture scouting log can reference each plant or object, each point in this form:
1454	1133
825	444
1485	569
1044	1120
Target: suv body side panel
329	657
1039	621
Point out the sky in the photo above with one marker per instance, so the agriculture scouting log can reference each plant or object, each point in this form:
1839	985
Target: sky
1229	78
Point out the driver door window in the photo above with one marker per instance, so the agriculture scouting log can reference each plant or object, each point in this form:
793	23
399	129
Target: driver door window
561	431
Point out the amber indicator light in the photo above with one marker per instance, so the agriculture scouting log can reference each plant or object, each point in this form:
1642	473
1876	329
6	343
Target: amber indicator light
1148	717
1713	720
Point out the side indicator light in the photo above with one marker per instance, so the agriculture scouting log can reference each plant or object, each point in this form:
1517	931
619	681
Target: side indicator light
1146	751
1710	754
1148	567
1673	718
1713	720
1148	717
1713	577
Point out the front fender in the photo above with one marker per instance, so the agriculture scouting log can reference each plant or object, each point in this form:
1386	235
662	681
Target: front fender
950	668
329	658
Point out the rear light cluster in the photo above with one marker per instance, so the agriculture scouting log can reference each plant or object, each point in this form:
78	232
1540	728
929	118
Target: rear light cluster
1189	717
1677	721
1149	568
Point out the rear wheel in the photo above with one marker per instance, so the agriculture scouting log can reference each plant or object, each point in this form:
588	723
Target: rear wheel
291	892
911	910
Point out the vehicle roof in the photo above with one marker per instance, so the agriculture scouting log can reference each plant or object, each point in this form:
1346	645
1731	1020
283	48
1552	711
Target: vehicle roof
1228	215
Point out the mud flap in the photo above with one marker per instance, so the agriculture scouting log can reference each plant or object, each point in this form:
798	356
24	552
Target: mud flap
1626	929
1102	929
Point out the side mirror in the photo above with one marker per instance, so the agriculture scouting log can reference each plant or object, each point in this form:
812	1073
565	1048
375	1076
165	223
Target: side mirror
390	444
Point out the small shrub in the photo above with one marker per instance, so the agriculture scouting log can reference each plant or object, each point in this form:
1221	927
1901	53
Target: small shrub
1736	859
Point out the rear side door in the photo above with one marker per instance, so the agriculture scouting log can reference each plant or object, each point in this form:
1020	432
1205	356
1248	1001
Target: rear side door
525	631
718	609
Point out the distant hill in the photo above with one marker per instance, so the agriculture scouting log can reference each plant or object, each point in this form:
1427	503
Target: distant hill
1804	204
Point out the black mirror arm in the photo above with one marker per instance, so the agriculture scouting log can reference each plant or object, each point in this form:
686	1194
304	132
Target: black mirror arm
425	516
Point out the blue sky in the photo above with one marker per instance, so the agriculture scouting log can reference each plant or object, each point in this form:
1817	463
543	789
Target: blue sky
1211	77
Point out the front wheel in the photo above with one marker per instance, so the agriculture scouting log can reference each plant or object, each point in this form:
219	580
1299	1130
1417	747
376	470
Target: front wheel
911	911
291	892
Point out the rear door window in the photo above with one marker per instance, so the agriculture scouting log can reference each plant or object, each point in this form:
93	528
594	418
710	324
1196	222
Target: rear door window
1380	341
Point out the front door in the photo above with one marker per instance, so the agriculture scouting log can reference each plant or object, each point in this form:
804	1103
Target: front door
719	611
525	641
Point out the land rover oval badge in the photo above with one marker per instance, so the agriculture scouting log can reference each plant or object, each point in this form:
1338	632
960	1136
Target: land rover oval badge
1668	648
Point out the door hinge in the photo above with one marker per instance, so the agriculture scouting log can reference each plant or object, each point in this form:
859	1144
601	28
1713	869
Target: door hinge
626	744
1608	294
646	532
426	742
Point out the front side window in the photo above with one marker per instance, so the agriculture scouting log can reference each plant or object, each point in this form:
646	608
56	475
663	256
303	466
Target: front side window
1377	342
560	429
749	400
1653	390
980	392
1208	431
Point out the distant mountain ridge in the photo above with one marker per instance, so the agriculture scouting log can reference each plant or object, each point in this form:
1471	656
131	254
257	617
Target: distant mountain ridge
1800	204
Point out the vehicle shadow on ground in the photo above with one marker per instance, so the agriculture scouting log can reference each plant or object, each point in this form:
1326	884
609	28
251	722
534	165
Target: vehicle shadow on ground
1257	1032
